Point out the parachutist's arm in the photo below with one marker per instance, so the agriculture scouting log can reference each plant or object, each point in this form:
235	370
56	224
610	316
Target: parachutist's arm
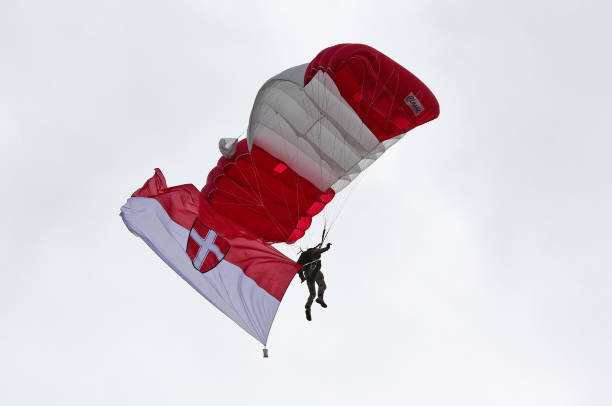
322	250
301	274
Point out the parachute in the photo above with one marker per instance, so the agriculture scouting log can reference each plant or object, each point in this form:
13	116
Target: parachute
312	130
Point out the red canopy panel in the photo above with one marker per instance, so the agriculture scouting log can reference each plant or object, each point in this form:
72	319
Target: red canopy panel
388	99
264	195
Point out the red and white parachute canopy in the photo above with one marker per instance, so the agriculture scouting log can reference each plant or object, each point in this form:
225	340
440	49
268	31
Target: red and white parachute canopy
313	129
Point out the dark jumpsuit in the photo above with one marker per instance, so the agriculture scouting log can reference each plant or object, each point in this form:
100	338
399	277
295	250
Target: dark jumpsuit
311	272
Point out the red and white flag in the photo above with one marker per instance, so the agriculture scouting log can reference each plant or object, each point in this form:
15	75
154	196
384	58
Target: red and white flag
241	275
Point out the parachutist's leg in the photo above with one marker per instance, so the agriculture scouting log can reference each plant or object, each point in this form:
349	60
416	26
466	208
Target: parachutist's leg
322	286
311	290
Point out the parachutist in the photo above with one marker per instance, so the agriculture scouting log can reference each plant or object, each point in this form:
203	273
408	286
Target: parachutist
311	273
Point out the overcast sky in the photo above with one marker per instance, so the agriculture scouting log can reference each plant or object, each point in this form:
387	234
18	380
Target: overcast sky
470	264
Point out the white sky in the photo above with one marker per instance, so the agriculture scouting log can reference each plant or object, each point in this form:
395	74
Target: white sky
470	266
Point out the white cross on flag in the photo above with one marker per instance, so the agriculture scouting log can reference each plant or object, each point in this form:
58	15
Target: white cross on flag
205	248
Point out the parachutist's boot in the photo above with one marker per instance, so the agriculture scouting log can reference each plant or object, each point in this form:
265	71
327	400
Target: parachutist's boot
308	316
321	302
